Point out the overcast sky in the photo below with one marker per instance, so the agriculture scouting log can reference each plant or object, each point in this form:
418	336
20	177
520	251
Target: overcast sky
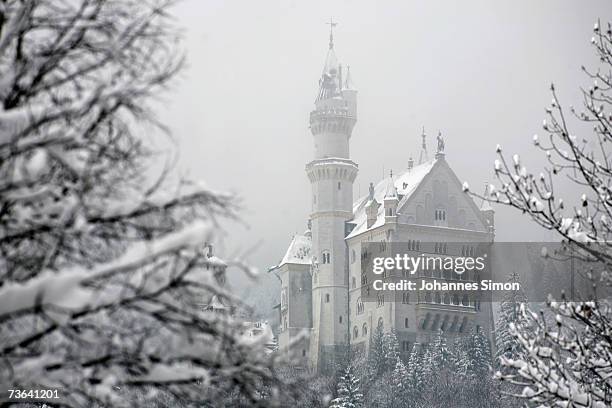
479	71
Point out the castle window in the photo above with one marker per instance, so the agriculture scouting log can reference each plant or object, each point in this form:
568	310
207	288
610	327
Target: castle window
406	322
364	330
360	307
340	319
405	346
326	257
355	332
364	279
405	297
380	299
440	217
327	298
303	353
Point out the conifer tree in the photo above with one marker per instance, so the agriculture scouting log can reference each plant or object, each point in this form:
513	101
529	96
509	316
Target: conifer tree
349	394
376	357
415	370
390	351
478	353
505	343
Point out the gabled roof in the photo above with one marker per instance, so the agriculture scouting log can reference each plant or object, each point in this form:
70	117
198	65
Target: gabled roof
298	251
405	184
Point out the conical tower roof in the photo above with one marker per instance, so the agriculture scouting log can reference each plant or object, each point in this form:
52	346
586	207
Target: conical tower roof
348	82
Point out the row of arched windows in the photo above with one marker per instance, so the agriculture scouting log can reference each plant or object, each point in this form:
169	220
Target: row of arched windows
448	299
446	323
342	126
440	215
326	173
414	245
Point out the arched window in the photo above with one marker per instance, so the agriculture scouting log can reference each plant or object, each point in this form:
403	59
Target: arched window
381	323
359	306
446	299
437	298
355	332
427	297
465	301
364	330
406	322
325	257
406	297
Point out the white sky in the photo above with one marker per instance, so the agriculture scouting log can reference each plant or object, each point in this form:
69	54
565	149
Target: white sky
477	70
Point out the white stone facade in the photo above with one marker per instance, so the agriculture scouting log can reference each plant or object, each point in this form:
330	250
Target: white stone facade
321	288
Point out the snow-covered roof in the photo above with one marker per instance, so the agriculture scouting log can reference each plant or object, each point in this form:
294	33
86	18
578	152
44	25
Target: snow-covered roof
298	251
405	184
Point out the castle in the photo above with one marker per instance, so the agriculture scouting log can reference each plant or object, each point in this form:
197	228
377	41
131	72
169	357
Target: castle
320	273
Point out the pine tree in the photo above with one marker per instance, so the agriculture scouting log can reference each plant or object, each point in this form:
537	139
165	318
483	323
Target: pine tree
415	370
349	395
376	356
437	356
478	352
459	356
390	351
505	342
399	380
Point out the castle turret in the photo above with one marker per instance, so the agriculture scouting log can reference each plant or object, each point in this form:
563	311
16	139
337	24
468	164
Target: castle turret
331	174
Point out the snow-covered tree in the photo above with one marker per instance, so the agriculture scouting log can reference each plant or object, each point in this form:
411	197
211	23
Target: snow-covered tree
437	357
415	369
349	395
400	381
103	266
568	362
478	352
390	346
376	356
505	343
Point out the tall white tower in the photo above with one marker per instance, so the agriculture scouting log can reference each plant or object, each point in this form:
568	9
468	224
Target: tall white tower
331	174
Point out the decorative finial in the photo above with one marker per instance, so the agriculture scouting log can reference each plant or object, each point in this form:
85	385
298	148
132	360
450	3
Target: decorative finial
331	24
423	157
371	191
423	136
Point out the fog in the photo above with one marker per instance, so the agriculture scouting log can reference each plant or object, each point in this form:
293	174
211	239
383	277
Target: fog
478	71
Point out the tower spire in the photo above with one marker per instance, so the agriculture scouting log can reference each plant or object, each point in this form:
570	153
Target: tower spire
423	157
332	24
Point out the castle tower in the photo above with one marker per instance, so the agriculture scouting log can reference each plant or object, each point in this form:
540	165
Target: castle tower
331	175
